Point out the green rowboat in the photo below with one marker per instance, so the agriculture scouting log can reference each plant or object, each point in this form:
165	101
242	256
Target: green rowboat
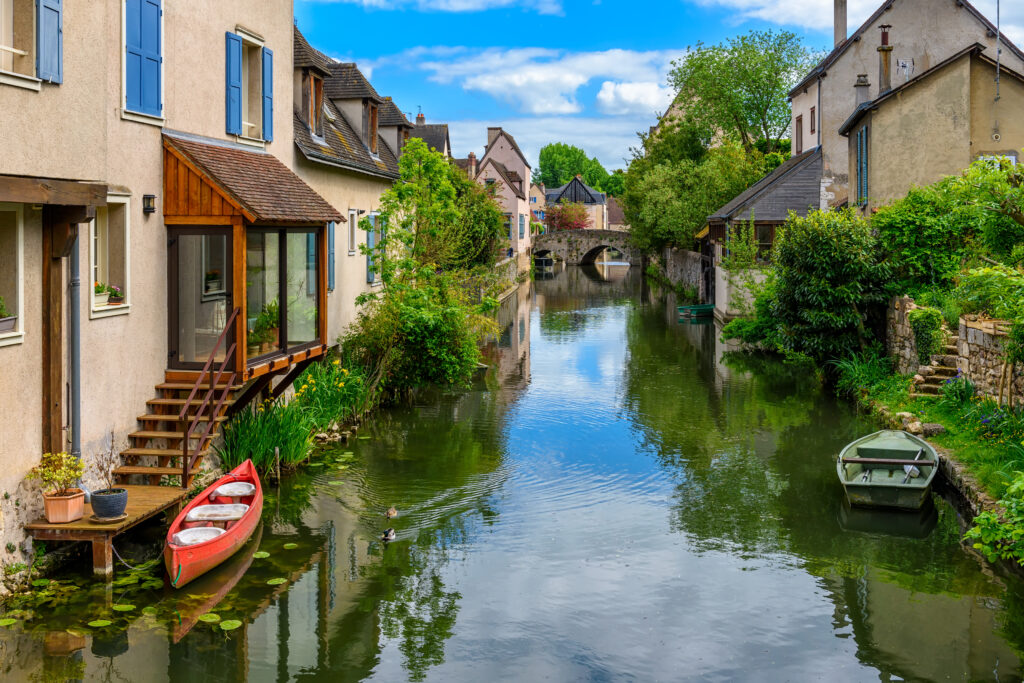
887	469
697	311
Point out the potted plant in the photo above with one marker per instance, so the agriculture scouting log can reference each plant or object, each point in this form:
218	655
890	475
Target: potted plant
58	472
115	295
213	281
267	327
7	320
100	294
109	502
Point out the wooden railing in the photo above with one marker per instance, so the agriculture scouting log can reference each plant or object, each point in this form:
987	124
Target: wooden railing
211	405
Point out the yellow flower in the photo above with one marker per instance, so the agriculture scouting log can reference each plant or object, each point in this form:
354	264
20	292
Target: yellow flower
344	371
341	384
337	363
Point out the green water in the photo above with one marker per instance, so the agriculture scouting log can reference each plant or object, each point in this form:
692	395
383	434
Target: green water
617	499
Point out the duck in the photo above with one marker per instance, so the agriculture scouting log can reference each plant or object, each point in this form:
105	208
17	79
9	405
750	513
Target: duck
392	512
388	535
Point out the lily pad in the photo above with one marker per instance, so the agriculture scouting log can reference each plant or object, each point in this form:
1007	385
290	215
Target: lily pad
230	624
316	464
39	583
99	623
123	608
261	554
290	546
276	582
209	618
361	438
150	610
8	622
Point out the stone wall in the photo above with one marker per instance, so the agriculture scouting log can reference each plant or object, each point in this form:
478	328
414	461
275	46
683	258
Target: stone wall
899	338
682	266
981	356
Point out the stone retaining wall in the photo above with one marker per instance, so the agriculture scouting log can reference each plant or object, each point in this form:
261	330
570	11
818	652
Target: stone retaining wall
899	338
682	266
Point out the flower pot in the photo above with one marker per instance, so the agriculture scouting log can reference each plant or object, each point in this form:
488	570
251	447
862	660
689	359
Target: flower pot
64	509
109	503
115	300
100	299
252	350
7	324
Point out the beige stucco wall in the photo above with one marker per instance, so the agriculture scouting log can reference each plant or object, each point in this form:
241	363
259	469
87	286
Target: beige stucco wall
927	31
345	191
510	204
989	117
75	130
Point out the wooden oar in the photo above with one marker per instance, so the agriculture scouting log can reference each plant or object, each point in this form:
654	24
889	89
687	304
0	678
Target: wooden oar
911	467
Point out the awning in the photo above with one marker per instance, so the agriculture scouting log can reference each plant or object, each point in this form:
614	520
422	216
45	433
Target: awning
703	233
211	178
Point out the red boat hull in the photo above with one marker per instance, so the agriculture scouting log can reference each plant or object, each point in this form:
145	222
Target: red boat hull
185	563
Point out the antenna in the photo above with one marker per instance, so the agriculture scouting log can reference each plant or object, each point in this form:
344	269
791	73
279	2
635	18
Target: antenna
999	48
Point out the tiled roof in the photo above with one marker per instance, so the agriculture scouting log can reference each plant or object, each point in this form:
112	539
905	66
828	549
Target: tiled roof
512	141
575	191
264	187
391	115
615	213
306	56
341	146
462	163
791	164
507	176
347	82
434	134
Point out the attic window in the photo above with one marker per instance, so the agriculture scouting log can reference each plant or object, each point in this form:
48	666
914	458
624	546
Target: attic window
373	129
316	102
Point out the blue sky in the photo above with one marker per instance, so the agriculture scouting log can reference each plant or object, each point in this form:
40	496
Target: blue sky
586	72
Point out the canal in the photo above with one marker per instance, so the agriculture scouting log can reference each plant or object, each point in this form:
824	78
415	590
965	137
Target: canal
617	499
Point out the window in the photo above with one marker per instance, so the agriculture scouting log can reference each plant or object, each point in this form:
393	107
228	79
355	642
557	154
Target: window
249	96
31	42
522	226
814	118
143	57
765	237
110	260
533	200
511	226
353	222
862	166
798	134
12	247
330	256
315	103
371	242
373	129
489	182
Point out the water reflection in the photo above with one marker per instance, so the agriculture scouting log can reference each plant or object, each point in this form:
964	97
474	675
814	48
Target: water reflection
618	497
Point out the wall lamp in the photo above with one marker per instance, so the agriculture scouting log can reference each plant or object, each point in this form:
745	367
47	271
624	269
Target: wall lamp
361	211
148	203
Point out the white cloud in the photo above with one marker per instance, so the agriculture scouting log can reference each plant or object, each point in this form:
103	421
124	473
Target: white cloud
633	98
539	6
818	14
609	139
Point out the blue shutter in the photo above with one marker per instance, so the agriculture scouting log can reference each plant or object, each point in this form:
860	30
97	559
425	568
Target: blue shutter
369	254
233	75
330	256
50	41
143	60
268	95
522	226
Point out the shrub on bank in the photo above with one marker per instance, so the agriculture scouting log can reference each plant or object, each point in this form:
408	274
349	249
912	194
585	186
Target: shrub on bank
331	393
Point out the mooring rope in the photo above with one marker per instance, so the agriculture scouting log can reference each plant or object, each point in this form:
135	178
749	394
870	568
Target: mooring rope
118	556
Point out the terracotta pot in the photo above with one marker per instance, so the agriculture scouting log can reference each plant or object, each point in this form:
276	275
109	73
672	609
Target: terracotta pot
64	509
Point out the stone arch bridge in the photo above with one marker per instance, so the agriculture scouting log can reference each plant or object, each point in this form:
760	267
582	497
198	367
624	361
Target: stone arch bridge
580	247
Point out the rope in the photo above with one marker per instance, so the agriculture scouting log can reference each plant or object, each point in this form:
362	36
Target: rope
118	556
175	582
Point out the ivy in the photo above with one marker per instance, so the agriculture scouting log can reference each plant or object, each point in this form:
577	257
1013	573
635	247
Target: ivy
928	335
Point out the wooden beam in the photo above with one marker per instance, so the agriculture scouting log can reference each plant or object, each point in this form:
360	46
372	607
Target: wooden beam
103	558
251	392
29	190
290	378
199	220
321	285
52	356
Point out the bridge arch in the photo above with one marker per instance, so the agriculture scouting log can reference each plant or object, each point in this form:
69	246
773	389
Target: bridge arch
577	247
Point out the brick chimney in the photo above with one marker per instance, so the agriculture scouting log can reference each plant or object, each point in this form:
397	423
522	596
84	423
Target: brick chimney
840	21
884	61
472	165
492	134
420	119
863	89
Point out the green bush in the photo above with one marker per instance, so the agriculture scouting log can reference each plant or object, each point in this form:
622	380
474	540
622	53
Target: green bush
1002	537
859	373
762	328
831	284
929	336
957	392
1014	344
256	431
943	300
329	392
995	290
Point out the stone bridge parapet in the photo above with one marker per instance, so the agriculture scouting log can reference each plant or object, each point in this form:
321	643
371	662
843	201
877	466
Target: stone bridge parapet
580	247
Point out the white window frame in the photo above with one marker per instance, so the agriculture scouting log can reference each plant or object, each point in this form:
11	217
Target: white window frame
127	114
17	336
251	40
28	82
95	311
377	282
353	239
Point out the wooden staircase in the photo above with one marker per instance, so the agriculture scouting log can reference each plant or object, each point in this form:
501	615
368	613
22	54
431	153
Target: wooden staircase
180	425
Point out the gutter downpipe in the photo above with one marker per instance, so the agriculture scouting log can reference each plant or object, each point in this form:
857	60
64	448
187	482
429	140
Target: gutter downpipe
75	342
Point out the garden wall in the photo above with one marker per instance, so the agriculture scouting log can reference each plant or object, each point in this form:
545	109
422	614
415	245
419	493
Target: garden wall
682	266
979	346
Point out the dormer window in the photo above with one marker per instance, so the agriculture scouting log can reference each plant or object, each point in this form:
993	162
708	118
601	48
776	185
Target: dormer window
315	115
373	129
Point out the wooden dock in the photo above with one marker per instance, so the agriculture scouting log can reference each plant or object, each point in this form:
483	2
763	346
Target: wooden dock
144	502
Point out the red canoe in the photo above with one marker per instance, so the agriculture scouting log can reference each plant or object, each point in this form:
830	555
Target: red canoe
214	525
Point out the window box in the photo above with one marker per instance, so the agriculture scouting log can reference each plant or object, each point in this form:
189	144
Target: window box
7	324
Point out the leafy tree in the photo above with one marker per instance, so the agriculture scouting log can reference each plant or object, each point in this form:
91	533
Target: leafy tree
740	88
830	281
614	184
668	203
559	163
479	234
567	216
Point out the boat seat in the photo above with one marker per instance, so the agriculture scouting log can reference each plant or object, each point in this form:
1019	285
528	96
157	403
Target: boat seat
196	536
236	489
228	512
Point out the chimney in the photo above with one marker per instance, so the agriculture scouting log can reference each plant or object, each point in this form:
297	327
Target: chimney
840	21
420	119
472	165
884	61
863	89
492	134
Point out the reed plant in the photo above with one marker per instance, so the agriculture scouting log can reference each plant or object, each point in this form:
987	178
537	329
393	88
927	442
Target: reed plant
255	432
330	393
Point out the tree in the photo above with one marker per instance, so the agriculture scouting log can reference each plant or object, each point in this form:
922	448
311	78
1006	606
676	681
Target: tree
559	163
614	185
740	88
567	216
667	204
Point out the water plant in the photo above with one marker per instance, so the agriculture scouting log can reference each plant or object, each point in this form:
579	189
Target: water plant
330	392
859	372
256	432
